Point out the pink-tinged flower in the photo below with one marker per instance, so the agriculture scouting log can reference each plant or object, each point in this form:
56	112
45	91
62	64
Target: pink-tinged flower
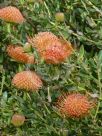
18	120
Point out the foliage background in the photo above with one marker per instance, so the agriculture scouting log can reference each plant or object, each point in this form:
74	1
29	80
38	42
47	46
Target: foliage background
82	72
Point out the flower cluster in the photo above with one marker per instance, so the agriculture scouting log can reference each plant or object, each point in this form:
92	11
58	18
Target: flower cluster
53	50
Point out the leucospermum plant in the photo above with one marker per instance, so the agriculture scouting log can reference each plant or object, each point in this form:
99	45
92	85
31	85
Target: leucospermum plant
54	29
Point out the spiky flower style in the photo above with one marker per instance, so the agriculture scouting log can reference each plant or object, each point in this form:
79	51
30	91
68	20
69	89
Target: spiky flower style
74	105
27	80
11	14
52	49
18	54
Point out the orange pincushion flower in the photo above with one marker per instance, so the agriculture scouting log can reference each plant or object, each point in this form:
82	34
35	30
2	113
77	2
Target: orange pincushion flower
52	49
42	40
74	105
27	80
18	54
11	14
57	53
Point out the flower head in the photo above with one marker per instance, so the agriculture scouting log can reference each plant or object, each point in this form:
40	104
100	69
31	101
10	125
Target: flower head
18	120
11	14
74	105
60	17
42	40
18	54
52	49
27	80
56	53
